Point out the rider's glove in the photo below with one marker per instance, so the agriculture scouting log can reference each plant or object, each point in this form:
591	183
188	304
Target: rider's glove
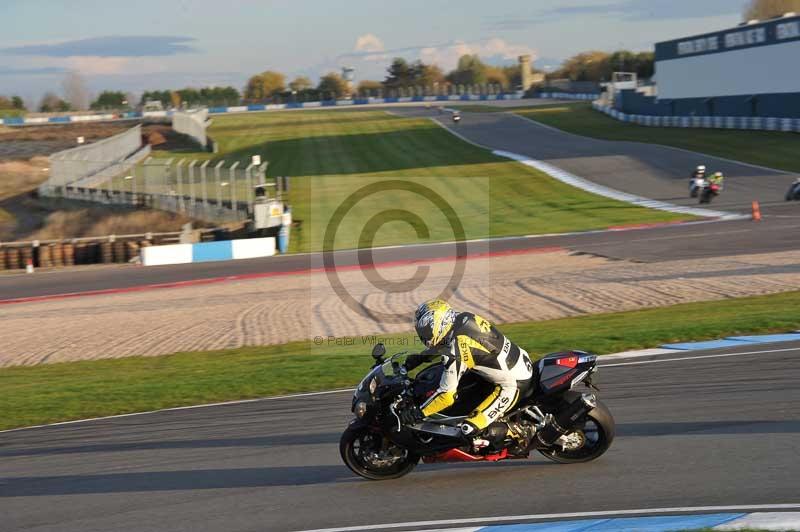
411	415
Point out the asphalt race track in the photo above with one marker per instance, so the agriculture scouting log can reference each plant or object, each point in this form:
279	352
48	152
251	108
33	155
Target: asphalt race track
692	432
778	233
647	170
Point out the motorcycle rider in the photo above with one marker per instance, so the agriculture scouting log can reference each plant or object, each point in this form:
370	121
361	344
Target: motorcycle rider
696	180
467	342
716	179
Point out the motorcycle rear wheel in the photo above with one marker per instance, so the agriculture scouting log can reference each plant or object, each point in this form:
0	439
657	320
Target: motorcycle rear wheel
598	431
357	443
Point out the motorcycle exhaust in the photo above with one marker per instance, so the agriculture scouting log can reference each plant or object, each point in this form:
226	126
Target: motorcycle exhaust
555	429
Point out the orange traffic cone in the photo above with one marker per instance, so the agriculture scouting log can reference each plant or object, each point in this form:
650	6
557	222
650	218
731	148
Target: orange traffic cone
756	212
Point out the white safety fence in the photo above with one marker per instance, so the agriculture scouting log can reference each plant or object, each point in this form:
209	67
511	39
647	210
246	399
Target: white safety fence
72	165
192	123
758	123
218	193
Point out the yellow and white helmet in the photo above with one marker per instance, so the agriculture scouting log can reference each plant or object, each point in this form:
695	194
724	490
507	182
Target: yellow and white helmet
433	321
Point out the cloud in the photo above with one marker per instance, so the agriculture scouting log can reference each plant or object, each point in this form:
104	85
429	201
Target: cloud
445	55
625	10
491	51
43	71
113	46
95	65
370	48
369	42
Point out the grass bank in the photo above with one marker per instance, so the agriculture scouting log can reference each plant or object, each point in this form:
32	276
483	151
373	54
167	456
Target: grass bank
330	154
74	390
773	149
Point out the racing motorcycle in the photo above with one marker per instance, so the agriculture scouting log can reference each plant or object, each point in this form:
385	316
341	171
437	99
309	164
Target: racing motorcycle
709	191
696	184
794	191
561	423
456	118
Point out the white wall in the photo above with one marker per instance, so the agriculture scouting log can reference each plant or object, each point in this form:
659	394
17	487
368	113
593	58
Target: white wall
756	70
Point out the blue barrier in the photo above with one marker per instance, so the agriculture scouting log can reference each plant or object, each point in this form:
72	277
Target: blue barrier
756	123
210	251
15	121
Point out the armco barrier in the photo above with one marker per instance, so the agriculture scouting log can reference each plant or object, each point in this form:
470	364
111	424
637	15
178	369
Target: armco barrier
758	123
18	121
208	251
569	96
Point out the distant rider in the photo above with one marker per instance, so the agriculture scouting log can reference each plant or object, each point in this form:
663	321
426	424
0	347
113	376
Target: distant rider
717	179
696	180
466	342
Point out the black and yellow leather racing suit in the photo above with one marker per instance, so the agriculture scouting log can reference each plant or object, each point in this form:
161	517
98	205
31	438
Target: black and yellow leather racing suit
476	345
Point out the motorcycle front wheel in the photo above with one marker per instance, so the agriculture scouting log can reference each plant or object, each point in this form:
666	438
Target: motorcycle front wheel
372	456
592	438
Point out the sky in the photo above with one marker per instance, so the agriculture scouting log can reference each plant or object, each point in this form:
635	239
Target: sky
157	44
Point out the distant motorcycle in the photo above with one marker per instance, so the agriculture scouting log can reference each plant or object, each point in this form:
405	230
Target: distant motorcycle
456	118
794	191
709	191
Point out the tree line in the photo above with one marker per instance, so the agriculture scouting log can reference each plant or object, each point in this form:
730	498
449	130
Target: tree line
598	66
403	78
11	106
764	9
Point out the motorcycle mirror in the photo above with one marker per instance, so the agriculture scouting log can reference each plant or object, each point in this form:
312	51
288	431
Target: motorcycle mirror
378	351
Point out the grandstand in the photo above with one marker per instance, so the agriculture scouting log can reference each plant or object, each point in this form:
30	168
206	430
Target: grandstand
749	70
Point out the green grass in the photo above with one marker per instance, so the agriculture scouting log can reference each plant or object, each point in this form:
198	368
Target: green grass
329	154
773	149
73	390
11	113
